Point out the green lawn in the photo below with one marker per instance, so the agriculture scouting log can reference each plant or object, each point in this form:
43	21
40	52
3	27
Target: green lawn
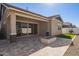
69	36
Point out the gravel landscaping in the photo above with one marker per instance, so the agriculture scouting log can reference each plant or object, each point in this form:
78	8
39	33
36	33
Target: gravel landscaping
26	46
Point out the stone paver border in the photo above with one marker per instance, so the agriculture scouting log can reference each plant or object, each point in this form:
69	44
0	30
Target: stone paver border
70	43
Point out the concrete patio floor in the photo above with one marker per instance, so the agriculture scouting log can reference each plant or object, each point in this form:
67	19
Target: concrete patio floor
27	46
49	51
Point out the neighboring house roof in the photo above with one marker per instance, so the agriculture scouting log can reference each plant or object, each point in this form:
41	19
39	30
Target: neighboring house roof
8	5
67	25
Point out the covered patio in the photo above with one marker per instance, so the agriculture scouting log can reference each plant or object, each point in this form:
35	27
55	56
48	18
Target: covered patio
28	26
19	24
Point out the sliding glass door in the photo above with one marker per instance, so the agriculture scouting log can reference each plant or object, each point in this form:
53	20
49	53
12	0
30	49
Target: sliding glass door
33	28
26	28
30	29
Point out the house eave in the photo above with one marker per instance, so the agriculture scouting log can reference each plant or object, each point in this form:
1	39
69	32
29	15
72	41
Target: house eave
41	18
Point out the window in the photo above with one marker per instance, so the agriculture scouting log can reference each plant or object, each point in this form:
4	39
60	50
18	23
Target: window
59	28
31	27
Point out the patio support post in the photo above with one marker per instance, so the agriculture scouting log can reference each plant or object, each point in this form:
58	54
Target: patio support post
12	27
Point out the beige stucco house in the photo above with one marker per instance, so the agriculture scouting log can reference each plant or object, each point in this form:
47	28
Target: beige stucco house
17	22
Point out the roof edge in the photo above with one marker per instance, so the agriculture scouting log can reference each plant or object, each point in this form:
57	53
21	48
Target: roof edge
9	5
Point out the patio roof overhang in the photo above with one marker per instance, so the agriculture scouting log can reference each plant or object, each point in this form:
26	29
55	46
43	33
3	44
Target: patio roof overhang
28	15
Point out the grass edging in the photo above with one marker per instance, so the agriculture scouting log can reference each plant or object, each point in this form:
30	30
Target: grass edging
69	44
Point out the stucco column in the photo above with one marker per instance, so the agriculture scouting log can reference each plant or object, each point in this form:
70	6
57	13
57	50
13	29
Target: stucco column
12	27
48	27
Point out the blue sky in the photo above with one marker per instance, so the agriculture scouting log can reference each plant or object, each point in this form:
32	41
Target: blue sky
68	11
